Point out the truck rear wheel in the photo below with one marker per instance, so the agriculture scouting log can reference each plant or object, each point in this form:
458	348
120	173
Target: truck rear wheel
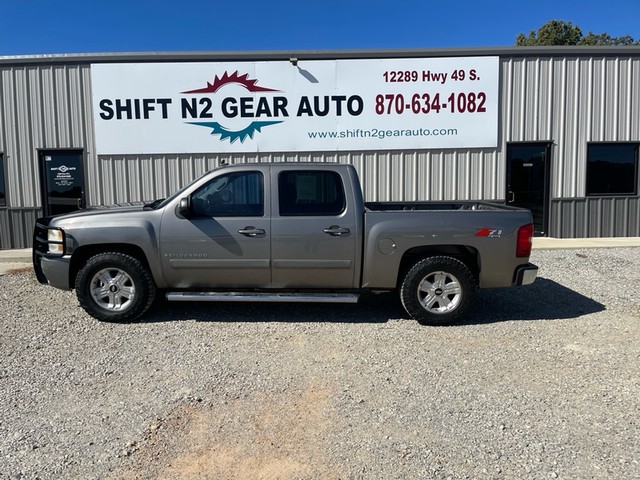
438	291
115	287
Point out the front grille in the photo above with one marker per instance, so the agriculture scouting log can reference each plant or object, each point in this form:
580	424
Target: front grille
40	247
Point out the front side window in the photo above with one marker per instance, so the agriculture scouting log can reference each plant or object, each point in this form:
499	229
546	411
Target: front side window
310	193
3	191
612	169
238	194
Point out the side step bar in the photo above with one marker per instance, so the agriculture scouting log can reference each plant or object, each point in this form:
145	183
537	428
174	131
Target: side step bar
262	297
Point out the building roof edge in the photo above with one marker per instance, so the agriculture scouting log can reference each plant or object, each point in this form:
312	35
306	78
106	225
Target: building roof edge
265	55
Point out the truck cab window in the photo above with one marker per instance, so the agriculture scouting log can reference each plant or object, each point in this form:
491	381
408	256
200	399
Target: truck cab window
231	195
310	193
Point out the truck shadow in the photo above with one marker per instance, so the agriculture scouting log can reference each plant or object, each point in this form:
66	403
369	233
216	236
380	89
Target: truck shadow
370	309
543	300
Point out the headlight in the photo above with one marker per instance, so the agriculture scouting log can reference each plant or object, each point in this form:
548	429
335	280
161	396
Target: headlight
55	240
55	236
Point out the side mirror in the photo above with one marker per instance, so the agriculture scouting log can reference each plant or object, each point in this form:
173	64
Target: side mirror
184	209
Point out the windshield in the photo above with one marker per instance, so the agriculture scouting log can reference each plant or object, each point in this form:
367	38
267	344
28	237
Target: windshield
170	198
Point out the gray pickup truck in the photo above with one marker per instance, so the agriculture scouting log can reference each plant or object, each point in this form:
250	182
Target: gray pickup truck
283	232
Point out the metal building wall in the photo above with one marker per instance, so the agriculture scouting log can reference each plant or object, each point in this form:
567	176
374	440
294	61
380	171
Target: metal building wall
566	100
570	101
397	175
43	106
596	217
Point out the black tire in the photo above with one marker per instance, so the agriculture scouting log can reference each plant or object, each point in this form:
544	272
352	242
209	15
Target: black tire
115	287
438	291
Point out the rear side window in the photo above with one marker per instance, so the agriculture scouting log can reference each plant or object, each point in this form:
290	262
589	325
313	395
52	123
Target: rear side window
310	193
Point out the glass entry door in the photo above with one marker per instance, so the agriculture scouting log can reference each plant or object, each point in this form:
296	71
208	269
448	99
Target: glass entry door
528	181
62	179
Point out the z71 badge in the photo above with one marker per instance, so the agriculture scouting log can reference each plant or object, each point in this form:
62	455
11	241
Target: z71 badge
489	232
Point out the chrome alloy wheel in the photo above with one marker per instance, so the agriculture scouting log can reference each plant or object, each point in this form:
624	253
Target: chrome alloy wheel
439	292
113	289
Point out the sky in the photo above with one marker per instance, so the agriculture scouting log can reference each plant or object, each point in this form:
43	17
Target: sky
31	27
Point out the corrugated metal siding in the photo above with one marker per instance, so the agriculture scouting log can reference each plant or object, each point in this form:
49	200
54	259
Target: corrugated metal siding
596	217
570	101
425	175
16	227
41	107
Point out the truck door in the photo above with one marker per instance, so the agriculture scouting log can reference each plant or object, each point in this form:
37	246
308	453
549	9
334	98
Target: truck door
225	241
314	231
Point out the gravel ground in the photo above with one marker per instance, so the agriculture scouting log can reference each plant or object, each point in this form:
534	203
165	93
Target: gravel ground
541	382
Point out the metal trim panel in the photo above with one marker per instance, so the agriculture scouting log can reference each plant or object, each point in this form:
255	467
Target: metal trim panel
211	263
332	264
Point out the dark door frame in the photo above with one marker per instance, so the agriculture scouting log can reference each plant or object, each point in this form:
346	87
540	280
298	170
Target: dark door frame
546	196
41	152
4	201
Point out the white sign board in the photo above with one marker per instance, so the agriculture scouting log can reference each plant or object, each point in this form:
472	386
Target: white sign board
314	105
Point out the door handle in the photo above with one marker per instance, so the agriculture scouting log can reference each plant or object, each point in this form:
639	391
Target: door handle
512	197
336	231
251	231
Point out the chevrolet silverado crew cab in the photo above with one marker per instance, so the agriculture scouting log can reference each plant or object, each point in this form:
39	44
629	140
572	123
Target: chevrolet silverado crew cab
283	232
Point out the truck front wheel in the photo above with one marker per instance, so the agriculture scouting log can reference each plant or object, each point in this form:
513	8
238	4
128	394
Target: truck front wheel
115	287
438	291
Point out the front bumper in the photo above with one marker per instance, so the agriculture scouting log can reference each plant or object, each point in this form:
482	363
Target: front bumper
52	270
56	271
525	274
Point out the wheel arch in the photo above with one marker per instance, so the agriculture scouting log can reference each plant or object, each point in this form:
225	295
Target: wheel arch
466	254
84	253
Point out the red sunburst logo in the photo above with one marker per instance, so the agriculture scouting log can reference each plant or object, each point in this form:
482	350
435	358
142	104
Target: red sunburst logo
244	80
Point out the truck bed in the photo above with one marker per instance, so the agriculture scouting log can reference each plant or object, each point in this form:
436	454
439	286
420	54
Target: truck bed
488	230
434	206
